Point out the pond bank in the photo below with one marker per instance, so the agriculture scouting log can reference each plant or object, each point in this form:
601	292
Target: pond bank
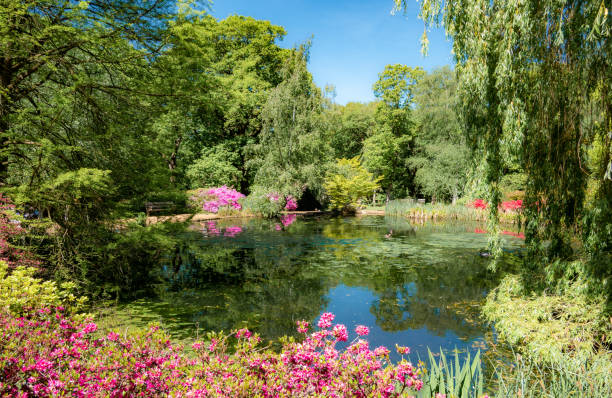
199	217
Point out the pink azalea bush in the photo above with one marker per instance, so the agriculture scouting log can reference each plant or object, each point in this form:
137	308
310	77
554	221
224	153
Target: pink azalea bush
46	353
214	199
291	203
222	197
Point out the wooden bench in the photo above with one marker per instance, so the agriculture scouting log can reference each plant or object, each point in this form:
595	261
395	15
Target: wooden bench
157	207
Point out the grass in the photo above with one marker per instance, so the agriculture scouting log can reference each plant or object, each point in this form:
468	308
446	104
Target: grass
440	211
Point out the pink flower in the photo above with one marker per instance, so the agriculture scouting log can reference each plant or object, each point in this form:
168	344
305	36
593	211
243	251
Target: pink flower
340	332
381	351
362	330
402	350
243	333
291	203
90	327
302	326
112	336
326	320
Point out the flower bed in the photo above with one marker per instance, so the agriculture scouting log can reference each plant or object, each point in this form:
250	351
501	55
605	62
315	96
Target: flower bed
46	353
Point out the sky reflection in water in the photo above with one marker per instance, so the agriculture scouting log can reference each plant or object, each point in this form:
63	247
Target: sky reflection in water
414	285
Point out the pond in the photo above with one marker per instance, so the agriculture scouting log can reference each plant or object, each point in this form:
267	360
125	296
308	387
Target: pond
418	285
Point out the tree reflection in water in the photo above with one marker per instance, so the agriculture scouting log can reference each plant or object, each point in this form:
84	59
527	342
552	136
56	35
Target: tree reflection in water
426	277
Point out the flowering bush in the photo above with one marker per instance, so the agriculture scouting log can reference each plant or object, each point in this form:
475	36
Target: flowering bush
478	204
509	205
512	205
46	353
291	203
269	203
214	199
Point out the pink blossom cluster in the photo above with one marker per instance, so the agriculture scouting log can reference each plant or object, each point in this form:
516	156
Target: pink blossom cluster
45	353
222	197
291	203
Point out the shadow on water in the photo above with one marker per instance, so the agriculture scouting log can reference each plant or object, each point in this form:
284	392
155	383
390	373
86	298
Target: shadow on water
418	285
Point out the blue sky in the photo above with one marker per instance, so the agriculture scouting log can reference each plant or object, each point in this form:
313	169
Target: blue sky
353	39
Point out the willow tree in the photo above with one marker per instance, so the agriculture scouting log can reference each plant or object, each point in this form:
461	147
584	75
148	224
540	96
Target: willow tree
534	82
291	155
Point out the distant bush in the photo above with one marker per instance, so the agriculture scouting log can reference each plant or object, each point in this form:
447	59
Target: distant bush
347	183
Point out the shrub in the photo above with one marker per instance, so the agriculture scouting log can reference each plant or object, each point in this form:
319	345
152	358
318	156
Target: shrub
348	183
269	203
213	200
49	353
21	294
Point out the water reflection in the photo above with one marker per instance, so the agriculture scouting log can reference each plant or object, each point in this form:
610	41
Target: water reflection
420	285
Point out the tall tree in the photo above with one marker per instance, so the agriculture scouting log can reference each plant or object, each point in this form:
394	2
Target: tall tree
71	56
386	151
534	77
291	154
441	157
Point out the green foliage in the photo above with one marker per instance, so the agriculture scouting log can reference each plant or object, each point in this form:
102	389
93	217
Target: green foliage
441	169
530	379
453	379
347	183
215	167
348	126
441	157
386	151
439	211
553	328
542	108
258	202
22	293
395	85
73	198
291	155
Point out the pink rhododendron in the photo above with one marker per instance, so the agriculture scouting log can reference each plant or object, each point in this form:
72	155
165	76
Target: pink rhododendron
222	197
326	320
362	330
291	203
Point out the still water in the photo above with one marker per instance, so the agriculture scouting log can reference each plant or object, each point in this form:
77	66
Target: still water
418	285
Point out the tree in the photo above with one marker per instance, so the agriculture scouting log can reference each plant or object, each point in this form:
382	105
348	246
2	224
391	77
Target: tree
291	154
62	60
348	126
534	81
215	167
441	157
347	183
386	151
